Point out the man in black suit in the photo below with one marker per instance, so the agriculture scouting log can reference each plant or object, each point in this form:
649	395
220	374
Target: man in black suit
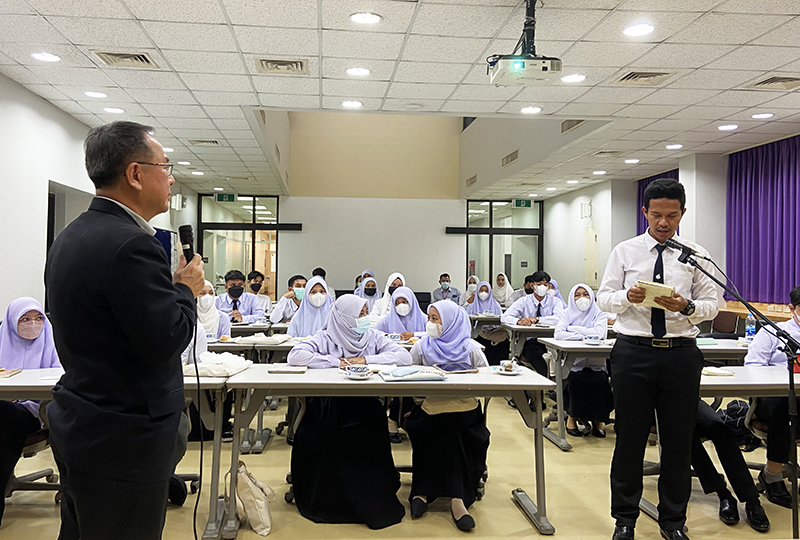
120	322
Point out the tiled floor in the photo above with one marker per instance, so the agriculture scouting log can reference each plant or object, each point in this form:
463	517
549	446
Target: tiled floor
577	495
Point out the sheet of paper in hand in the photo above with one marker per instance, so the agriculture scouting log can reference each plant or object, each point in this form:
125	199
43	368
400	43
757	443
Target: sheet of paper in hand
653	290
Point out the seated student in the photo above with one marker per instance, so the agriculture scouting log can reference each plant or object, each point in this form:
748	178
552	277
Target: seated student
255	280
313	310
587	392
710	426
448	436
369	292
535	307
382	307
552	290
445	291
214	322
26	341
503	290
319	271
289	303
468	296
361	277
527	288
494	338
774	411
241	306
342	466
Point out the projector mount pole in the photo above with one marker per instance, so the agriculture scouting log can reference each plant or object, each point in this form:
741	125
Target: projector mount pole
529	30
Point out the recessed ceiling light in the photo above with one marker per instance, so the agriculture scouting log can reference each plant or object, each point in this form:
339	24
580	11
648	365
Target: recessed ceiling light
674	146
357	71
572	181
598	172
728	127
198	173
45	57
476	211
113	110
575	77
763	116
631	161
551	189
530	110
637	30
414	106
533	194
365	18
184	163
499	203
168	150
258	207
352	104
485	203
219	189
98	95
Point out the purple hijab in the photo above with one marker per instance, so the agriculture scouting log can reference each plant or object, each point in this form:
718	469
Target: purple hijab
338	336
309	318
18	352
490	305
394	323
370	299
451	350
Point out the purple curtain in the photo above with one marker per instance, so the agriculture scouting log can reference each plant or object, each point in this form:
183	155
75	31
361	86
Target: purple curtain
641	222
763	226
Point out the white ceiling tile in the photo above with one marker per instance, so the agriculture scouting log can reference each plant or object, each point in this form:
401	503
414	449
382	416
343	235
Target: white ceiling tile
149	95
738	98
777	128
586	53
719	79
674	55
642	135
5	60
514	107
190	37
630	123
232	123
672	5
15	7
728	28
291	101
743	125
614	95
781	115
186	123
182	133
554	93
88	119
217	83
702	136
590	109
28	28
368	104
746	138
71	76
477	75
137	78
175	111
70	55
226	98
81	8
788	7
754	57
224	112
554	24
276	13
70	106
283	84
280	41
485	92
101	32
47	91
452	49
249	151
787	101
717	148
446	20
396	15
355	89
676	96
649	111
361	44
473	107
96	107
665	23
247	143
705	112
675	124
116	95
785	35
205	62
431	72
412	105
380	70
421	91
195	11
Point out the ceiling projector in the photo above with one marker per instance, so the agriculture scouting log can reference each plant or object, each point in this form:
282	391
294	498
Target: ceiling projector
523	69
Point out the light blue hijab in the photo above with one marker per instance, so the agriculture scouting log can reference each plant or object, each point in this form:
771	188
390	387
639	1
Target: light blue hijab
451	350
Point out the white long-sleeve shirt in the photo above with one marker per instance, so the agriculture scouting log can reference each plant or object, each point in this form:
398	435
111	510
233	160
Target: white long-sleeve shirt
188	354
266	303
525	308
516	295
284	310
569	332
634	260
383	351
763	351
249	306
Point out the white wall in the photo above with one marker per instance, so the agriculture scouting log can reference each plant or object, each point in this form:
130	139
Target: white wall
345	236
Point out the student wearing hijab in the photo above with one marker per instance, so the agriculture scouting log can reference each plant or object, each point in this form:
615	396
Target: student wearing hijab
503	290
360	279
289	303
342	466
214	322
494	338
382	307
313	310
26	341
369	291
552	290
255	280
448	436
587	393
468	296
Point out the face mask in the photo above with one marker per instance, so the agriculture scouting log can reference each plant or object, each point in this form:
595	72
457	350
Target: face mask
299	293
402	309
528	290
583	303
205	302
445	285
541	290
236	291
317	299
392	289
483	295
551	292
472	287
255	287
30	329
433	330
362	325
370	292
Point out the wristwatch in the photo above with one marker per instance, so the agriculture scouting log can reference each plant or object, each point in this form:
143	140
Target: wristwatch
689	309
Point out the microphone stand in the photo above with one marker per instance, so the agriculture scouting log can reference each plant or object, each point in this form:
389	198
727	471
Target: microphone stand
791	348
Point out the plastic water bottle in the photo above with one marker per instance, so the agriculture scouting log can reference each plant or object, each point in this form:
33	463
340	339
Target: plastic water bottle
750	327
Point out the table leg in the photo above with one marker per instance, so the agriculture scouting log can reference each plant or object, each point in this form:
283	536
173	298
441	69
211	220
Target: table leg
231	528
216	504
559	440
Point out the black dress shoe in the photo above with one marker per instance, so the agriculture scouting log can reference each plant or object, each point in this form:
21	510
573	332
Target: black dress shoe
776	491
418	507
599	433
464	523
177	491
574	432
756	516
728	511
395	438
623	532
674	534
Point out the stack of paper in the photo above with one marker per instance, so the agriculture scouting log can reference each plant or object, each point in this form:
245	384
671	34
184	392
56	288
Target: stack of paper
654	290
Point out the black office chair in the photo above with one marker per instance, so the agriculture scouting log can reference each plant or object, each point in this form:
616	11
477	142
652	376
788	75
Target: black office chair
35	443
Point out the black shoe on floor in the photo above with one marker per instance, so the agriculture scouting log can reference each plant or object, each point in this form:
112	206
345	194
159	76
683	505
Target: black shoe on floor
464	523
599	433
395	438
227	435
674	534
574	432
756	516
623	532
776	491
728	511
418	507
177	491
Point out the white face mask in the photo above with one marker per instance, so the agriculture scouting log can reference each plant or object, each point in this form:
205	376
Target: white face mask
541	290
206	302
472	287
317	299
402	309
483	295
583	303
551	292
433	330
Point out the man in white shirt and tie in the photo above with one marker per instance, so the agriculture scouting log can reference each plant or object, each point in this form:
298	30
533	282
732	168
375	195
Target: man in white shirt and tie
655	362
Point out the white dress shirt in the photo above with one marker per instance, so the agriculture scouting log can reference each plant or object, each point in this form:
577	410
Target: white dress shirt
525	308
634	260
145	226
763	351
516	295
249	306
284	310
266	303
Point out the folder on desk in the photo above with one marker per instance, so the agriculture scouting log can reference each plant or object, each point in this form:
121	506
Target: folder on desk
6	373
286	368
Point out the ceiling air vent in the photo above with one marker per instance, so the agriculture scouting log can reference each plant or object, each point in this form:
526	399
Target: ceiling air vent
510	158
569	125
126	60
776	83
281	67
204	142
472	180
609	153
644	78
238	179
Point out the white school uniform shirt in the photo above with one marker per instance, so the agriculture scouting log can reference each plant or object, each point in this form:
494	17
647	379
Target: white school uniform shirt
513	297
187	356
266	303
569	332
763	351
525	308
249	306
284	310
634	260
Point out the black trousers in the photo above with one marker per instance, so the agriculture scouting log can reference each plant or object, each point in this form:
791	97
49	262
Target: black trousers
710	426
651	382
16	423
495	353
533	353
774	411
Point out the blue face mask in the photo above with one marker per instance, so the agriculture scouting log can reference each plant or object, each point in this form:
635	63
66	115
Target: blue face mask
445	285
362	325
299	293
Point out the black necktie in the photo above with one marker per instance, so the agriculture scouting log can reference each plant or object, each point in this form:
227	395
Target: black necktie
235	307
539	310
657	321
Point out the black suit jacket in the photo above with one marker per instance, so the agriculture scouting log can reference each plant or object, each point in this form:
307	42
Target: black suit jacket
120	325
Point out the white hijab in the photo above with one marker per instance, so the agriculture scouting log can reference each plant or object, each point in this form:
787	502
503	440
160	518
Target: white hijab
386	301
586	319
501	294
209	318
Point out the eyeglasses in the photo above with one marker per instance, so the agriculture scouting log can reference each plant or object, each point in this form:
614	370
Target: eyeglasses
167	166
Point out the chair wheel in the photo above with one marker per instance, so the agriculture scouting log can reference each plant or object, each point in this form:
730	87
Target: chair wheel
52	478
58	497
288	478
289	496
481	492
194	486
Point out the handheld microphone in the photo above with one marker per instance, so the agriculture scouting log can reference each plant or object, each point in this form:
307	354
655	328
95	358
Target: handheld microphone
187	239
686	251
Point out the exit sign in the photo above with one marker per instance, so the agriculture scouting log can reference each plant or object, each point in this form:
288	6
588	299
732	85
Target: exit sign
522	203
225	197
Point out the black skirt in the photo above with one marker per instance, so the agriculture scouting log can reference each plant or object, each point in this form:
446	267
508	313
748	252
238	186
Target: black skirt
342	466
495	353
449	453
588	396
